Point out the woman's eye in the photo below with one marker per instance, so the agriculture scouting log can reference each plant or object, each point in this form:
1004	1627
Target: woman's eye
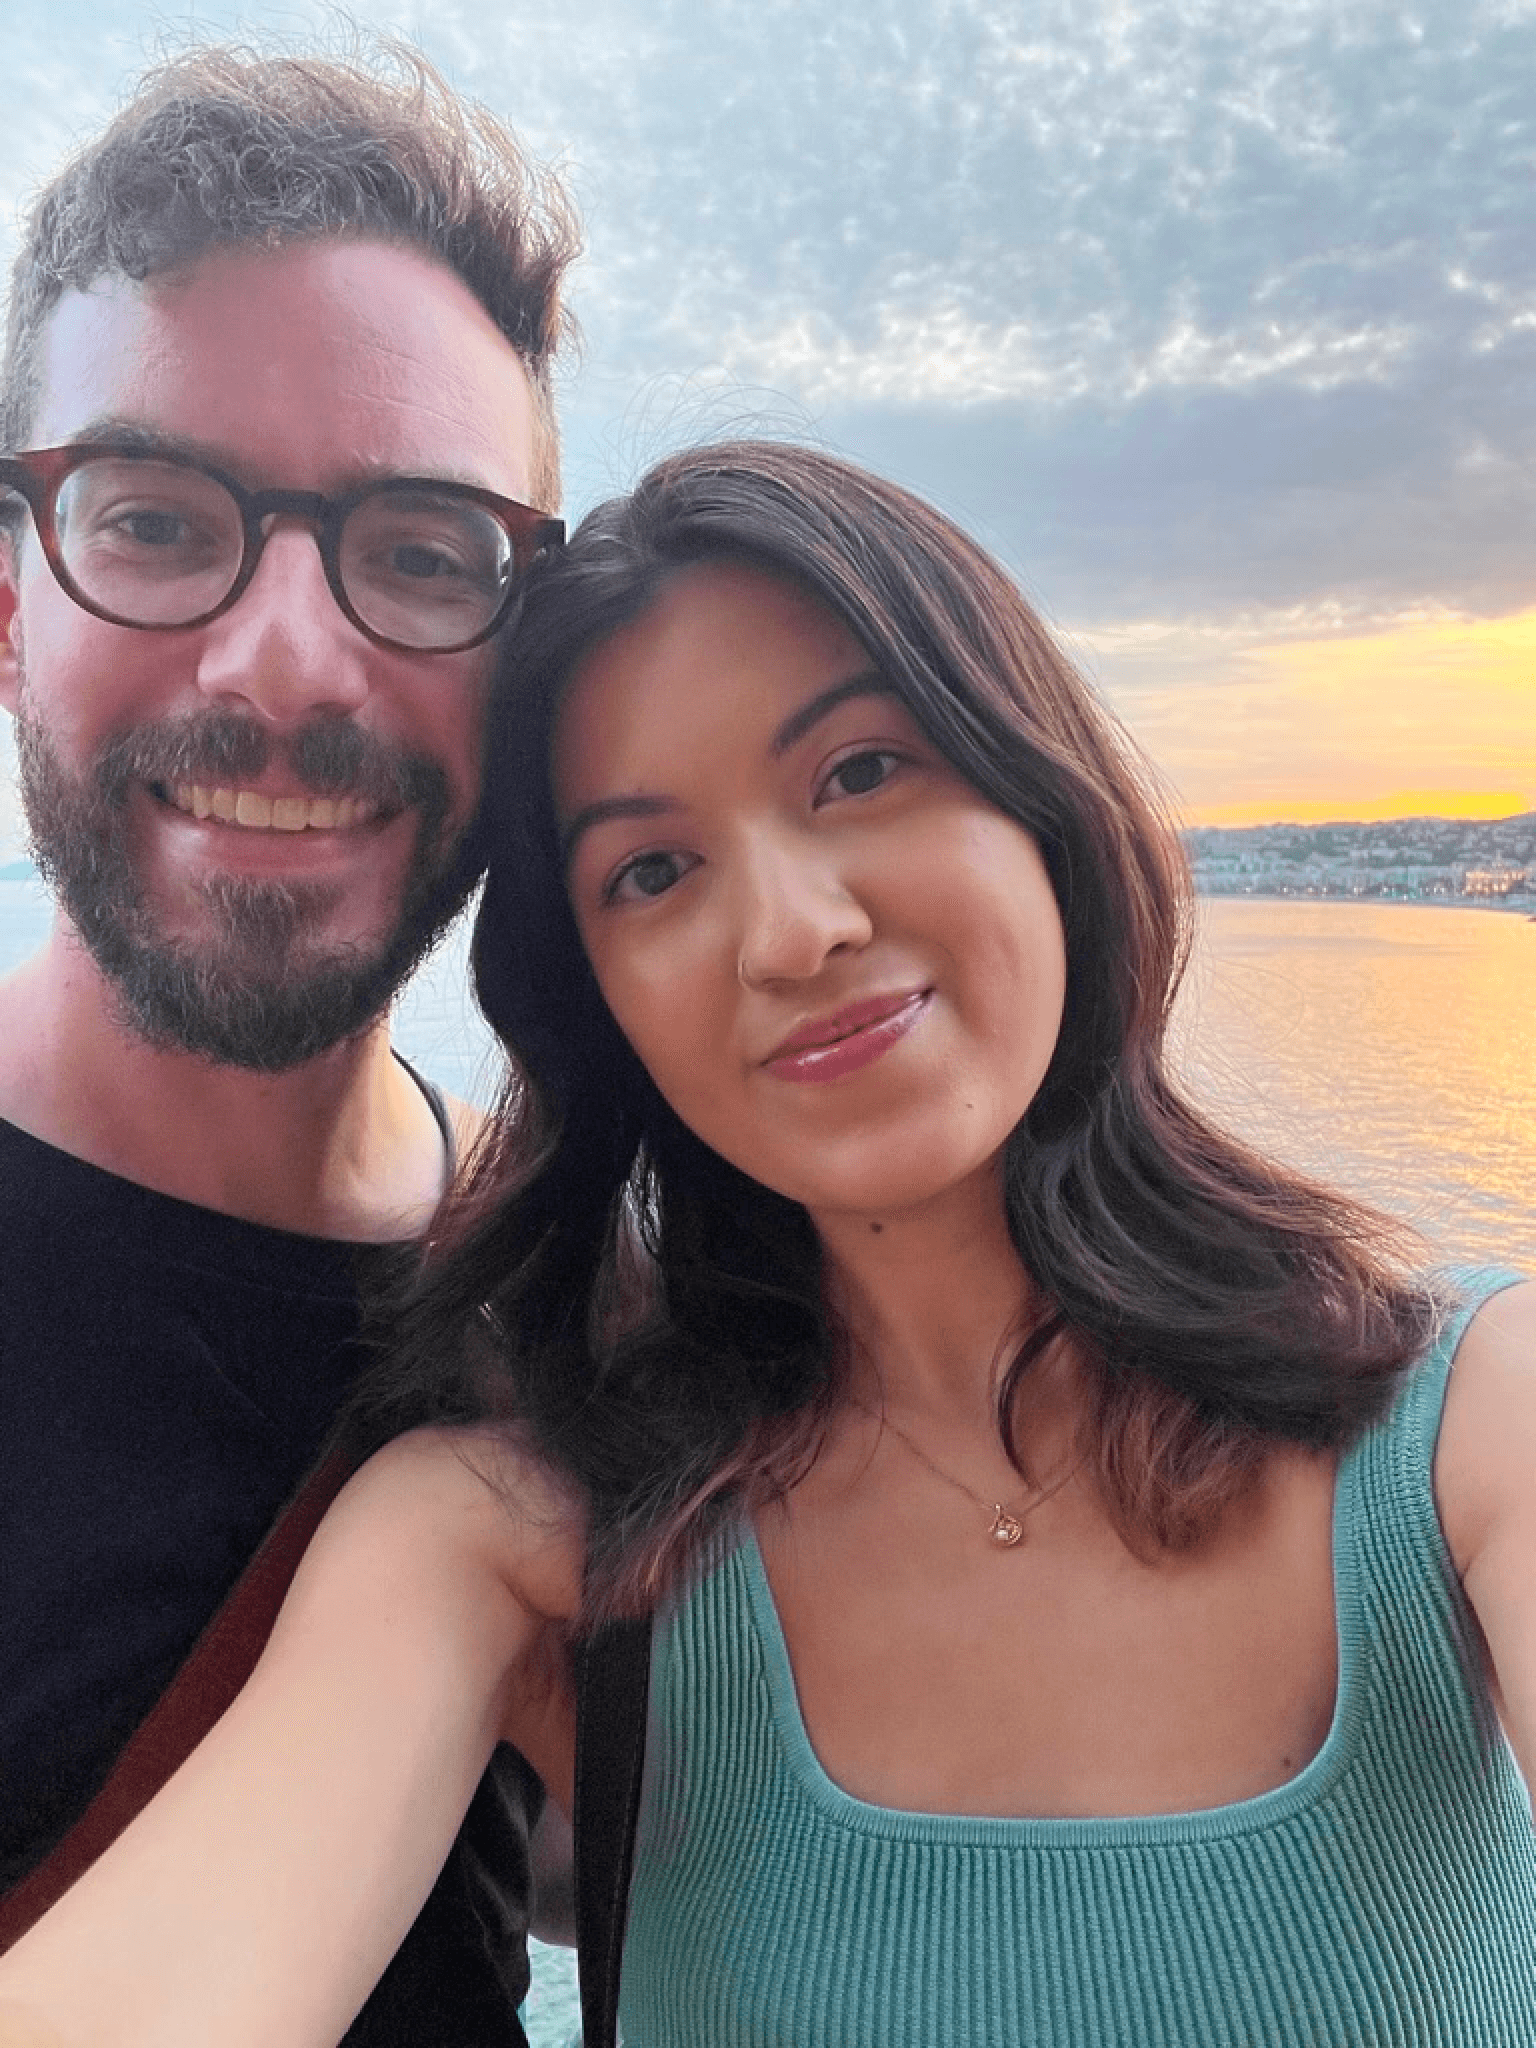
860	774
648	874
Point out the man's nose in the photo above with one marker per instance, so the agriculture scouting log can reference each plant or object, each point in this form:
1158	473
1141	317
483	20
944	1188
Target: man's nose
285	649
796	909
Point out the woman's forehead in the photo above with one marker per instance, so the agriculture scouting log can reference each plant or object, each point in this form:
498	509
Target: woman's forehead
723	643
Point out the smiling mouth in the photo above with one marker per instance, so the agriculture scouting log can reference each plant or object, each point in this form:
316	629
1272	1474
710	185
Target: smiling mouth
835	1047
850	1023
260	813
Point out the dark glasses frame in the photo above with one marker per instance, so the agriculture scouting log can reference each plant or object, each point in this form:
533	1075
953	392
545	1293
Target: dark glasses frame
39	474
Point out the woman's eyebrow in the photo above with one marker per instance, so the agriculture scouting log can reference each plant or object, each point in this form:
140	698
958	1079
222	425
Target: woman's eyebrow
606	808
867	683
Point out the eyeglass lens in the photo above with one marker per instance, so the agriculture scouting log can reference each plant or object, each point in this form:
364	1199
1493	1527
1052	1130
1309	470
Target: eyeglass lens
424	567
149	541
161	544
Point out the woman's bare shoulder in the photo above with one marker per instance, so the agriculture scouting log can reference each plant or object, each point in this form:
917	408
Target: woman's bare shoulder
22	2028
1486	1456
474	1497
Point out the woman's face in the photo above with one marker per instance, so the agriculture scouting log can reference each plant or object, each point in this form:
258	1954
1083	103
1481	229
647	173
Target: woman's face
842	967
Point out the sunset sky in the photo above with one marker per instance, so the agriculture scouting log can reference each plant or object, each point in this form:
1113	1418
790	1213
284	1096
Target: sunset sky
1217	320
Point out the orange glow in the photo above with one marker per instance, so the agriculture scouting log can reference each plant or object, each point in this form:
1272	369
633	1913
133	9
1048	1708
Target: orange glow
1434	717
1397	803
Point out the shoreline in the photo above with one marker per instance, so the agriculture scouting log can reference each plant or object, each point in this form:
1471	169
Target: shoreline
1499	905
34	885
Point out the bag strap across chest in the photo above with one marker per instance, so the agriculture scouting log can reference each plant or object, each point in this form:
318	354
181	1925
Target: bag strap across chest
613	1673
220	1662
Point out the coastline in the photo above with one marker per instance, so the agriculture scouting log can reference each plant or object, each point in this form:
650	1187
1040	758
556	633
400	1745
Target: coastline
23	874
1502	905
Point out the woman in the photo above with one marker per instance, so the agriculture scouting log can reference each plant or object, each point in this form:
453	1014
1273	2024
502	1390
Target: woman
1057	1533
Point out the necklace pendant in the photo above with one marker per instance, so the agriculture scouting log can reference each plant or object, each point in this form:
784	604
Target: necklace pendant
1006	1529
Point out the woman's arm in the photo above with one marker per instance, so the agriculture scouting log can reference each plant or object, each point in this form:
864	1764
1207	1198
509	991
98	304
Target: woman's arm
1485	1482
259	1897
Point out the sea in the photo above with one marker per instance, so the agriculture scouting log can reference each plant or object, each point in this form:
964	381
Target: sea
1388	1048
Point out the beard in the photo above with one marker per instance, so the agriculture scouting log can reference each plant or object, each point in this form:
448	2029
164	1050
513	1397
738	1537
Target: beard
263	992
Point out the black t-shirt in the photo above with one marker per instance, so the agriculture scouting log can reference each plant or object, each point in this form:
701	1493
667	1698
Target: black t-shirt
167	1375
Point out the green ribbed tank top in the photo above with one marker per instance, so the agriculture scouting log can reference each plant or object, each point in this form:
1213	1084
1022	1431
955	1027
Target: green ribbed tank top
1385	1896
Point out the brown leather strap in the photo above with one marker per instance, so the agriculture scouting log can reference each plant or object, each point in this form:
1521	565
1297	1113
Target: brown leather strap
219	1664
613	1676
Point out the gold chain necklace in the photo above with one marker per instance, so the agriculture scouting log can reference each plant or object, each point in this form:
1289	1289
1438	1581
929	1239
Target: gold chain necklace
1006	1530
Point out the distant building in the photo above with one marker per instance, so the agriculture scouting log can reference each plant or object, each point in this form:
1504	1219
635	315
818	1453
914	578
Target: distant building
1493	881
1412	860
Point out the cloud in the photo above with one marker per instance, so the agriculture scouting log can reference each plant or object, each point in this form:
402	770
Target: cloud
1212	314
1190	306
942	355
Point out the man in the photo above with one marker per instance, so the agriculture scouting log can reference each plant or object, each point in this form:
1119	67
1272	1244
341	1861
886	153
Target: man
249	668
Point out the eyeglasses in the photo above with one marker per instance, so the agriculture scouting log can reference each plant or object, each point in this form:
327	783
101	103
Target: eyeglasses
155	541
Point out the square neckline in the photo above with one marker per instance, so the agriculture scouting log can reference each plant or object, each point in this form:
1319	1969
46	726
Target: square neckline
1261	1809
1298	1793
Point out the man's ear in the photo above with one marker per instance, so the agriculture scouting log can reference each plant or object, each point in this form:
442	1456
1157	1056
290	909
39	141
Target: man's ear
10	624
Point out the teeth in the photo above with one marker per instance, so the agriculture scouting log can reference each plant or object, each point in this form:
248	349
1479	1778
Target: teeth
271	814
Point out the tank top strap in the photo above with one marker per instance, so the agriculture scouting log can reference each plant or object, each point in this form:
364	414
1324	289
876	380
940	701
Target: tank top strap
1404	1622
437	1102
1416	1418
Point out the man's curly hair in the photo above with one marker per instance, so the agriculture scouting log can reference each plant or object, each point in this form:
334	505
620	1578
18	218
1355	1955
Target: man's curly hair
228	144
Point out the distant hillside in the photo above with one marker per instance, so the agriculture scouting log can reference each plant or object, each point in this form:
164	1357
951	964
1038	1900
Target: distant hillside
1405	859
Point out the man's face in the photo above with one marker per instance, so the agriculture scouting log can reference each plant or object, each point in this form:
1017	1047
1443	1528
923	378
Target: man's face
315	368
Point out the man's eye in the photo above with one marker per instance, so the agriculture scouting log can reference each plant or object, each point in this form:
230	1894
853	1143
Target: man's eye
860	774
425	563
648	874
154	529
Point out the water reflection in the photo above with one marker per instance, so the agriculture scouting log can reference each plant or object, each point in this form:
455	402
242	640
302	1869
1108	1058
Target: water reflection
1385	1047
1388	1048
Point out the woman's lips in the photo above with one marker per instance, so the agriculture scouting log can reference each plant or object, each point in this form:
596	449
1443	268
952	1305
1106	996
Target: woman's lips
833	1046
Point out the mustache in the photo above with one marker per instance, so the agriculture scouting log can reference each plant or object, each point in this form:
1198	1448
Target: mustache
332	757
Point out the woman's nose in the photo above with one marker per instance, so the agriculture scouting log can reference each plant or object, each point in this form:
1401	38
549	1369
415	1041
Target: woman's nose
797	909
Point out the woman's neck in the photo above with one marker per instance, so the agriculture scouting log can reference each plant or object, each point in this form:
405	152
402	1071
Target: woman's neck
930	1300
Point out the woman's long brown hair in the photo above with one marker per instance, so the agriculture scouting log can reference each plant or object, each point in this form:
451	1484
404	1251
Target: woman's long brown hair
654	1319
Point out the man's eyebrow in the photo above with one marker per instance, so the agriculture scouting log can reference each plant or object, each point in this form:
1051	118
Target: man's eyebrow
604	811
867	683
134	437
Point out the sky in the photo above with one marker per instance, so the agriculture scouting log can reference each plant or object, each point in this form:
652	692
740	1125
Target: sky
1215	320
